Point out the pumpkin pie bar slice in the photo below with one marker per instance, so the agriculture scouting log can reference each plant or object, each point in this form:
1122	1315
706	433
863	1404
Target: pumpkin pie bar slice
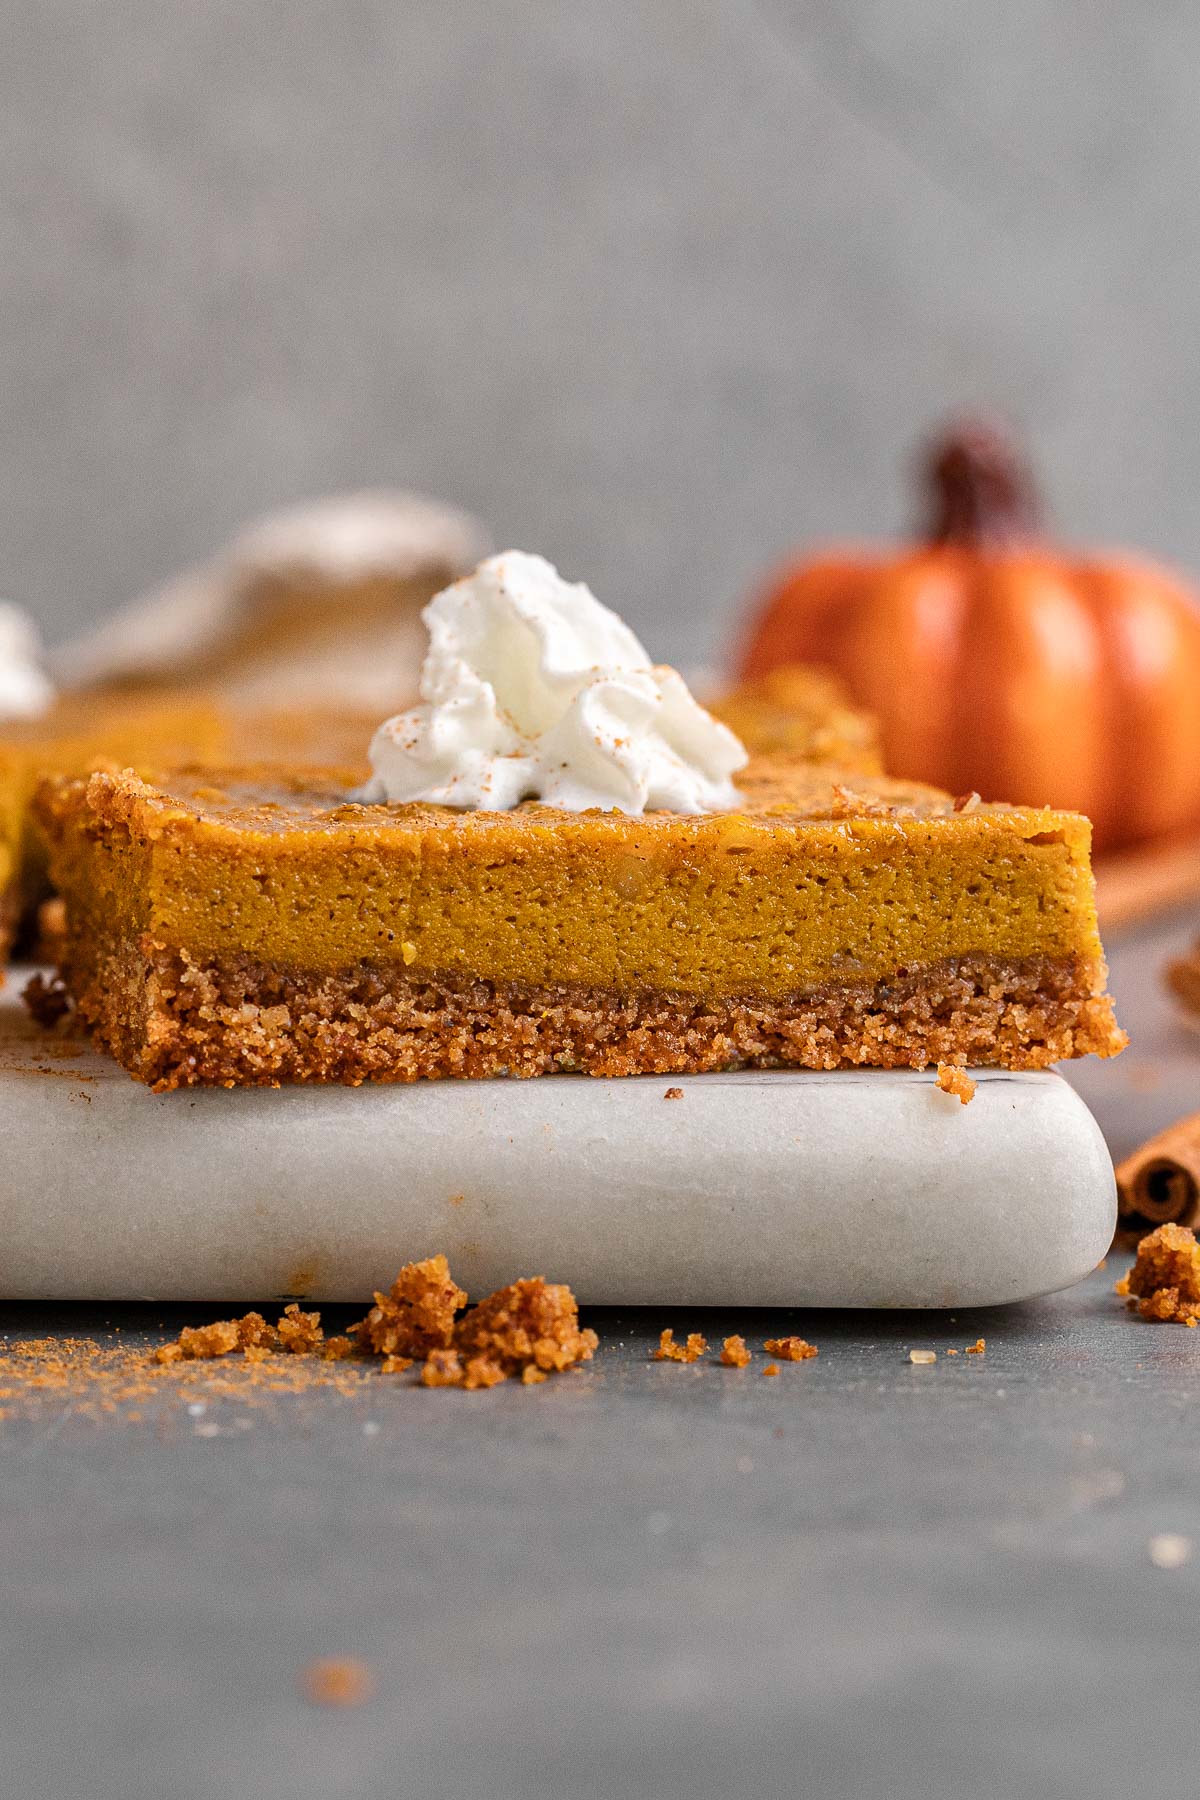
69	739
251	926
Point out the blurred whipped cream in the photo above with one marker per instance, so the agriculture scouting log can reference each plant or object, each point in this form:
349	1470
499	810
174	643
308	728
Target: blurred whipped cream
308	606
25	691
534	690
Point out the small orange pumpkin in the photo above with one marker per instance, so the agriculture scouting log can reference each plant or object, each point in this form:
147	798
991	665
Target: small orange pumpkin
998	662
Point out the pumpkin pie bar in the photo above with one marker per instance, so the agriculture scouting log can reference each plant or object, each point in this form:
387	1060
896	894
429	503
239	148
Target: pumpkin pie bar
253	926
70	738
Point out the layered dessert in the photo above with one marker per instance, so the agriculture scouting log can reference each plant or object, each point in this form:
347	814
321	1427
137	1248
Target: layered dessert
562	862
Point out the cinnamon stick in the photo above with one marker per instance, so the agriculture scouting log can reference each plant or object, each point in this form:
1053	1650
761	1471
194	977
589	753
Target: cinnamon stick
1160	1183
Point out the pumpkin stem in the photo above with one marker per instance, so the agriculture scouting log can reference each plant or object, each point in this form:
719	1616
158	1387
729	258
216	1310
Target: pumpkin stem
980	490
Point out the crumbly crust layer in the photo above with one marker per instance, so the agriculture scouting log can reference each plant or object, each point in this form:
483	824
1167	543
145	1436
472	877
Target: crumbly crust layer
174	1023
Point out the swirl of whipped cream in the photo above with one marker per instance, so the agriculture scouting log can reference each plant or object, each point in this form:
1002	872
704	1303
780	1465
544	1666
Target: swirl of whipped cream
531	689
25	690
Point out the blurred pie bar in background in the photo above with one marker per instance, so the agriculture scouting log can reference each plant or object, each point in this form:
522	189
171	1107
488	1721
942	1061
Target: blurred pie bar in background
317	606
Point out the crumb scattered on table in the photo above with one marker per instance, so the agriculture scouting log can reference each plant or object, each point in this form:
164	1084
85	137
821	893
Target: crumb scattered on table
734	1353
922	1356
669	1351
442	1368
978	1348
251	1334
1164	1282
953	1080
92	1379
675	1093
337	1681
771	1369
417	1314
531	1324
529	1329
790	1349
299	1332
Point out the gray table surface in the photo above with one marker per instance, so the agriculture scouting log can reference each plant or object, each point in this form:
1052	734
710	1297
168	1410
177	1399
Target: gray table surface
861	1579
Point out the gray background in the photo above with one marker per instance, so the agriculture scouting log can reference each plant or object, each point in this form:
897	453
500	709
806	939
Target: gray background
656	287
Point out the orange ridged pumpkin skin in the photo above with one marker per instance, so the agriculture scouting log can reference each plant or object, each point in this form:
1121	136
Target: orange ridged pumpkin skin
1000	664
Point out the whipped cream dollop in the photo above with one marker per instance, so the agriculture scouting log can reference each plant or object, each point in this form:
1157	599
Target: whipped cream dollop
531	689
25	689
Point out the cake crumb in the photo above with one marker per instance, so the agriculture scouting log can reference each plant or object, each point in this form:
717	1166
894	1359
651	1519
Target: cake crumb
529	1329
533	1321
200	1342
1164	1282
442	1368
734	1353
675	1093
299	1332
771	1369
977	1348
337	1681
953	1080
532	1324
922	1357
669	1351
790	1349
484	1372
417	1314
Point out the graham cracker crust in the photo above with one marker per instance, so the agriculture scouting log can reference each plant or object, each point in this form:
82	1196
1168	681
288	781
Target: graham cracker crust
173	1023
